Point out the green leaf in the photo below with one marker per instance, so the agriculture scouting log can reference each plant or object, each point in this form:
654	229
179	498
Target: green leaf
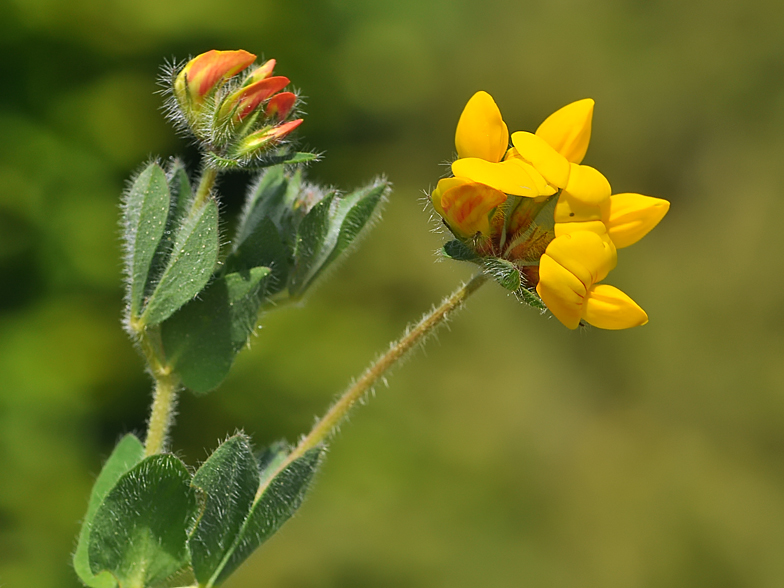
504	272
229	480
190	265
145	210
279	500
263	247
181	191
264	201
181	196
203	337
128	452
457	250
271	459
311	234
331	231
139	531
353	213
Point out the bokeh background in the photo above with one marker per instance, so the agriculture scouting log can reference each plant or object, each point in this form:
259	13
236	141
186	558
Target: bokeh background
513	452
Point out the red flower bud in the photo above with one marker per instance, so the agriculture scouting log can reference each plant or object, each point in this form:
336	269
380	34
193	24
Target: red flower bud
281	104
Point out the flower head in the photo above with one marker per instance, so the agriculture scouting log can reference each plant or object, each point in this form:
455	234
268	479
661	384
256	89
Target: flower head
238	112
535	208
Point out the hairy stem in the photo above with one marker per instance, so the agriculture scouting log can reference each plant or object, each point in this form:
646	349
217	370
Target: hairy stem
161	413
414	335
206	183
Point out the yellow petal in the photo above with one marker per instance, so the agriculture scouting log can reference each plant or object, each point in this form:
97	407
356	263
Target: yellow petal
561	291
552	165
481	132
541	185
588	185
584	254
443	185
569	209
632	216
607	307
594	226
568	130
467	208
509	176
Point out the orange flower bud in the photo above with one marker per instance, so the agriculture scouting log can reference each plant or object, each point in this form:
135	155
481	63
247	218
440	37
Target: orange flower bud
246	100
261	72
266	137
207	71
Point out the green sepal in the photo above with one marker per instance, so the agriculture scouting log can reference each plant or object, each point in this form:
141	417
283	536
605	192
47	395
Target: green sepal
531	298
139	531
504	272
128	452
536	234
279	499
228	480
252	162
459	251
202	339
145	210
329	228
293	158
190	265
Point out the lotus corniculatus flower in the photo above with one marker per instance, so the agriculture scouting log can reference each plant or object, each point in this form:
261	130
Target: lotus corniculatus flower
535	208
238	112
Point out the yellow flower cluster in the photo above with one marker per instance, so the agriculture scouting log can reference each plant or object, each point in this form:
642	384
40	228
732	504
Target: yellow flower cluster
491	201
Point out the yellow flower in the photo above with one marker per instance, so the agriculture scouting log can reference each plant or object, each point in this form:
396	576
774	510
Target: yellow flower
569	272
481	132
482	139
568	130
623	218
466	206
558	147
632	216
564	256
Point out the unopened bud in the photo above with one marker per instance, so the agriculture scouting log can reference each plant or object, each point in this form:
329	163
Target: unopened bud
245	100
208	71
265	138
263	71
280	105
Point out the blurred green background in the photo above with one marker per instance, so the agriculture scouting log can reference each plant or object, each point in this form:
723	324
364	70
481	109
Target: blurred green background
513	452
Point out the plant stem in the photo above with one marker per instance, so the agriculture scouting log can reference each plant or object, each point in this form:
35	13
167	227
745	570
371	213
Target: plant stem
161	413
414	335
206	183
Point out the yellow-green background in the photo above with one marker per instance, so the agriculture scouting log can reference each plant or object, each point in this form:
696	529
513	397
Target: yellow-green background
513	452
